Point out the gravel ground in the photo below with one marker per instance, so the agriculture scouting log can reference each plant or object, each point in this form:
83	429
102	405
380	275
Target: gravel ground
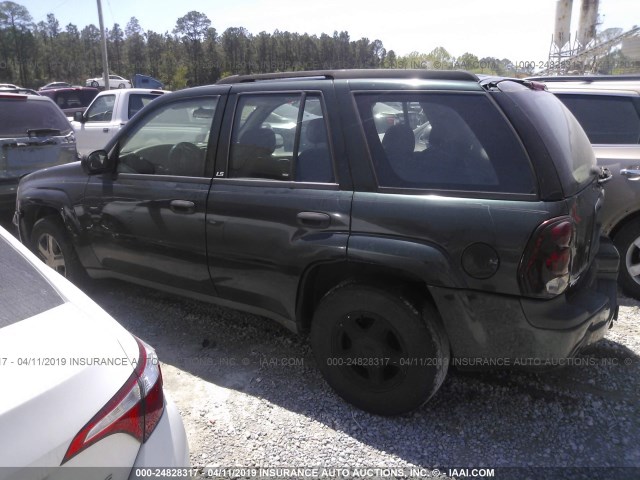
251	395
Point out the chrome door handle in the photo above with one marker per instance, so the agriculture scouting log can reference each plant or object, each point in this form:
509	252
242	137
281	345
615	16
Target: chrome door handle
182	206
314	219
632	174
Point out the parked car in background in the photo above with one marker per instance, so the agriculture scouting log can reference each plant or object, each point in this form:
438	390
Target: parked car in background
107	114
19	90
9	85
145	81
481	242
71	99
55	85
115	81
608	108
34	134
78	390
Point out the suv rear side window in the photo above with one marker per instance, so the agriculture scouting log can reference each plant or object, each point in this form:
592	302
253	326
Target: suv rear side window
280	137
605	118
19	115
443	141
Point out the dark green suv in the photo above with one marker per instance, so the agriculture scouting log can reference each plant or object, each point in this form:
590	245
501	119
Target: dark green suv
404	220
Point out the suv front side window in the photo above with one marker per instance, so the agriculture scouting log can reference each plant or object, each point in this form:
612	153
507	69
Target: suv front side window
170	141
443	142
280	137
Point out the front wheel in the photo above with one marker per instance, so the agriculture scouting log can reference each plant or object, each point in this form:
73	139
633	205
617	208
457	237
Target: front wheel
377	350
627	241
51	244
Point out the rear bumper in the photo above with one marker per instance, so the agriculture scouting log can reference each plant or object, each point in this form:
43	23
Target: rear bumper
488	329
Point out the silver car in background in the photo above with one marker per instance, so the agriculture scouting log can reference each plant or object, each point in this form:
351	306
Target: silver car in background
34	134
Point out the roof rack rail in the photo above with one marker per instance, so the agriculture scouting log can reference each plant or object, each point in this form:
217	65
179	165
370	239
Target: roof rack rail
353	74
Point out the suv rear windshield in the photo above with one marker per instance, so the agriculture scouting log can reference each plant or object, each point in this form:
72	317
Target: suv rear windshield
561	133
605	118
20	114
24	292
443	141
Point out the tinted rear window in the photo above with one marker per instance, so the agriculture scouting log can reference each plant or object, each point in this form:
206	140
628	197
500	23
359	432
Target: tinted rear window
137	101
20	115
563	137
74	99
443	141
605	119
24	292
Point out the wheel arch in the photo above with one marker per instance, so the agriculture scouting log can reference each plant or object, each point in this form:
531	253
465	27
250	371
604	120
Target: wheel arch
319	279
32	211
631	217
398	263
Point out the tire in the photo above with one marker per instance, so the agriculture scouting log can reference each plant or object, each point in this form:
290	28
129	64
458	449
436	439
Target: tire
50	242
95	84
627	241
377	351
122	85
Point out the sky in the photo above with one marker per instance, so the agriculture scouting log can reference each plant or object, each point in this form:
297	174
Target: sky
514	29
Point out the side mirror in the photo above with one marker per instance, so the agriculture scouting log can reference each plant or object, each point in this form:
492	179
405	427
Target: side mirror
97	162
78	117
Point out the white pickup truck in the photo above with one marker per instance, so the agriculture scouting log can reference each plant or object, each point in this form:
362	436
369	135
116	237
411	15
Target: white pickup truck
106	115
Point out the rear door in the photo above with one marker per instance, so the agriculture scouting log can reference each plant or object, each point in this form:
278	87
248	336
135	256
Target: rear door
146	222
277	205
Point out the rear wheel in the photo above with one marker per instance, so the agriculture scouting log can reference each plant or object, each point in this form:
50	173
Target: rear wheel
627	241
50	242
122	85
94	84
377	350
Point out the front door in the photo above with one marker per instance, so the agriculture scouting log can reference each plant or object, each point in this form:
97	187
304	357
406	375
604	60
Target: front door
146	221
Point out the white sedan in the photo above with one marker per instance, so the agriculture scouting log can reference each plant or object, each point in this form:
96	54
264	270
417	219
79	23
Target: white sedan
78	390
115	81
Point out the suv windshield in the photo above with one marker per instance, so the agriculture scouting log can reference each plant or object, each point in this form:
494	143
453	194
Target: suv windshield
20	114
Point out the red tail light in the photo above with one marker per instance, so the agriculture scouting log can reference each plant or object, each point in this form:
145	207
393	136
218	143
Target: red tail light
545	268
135	409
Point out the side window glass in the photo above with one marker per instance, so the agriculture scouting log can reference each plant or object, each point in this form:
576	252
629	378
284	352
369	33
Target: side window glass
102	109
443	141
280	137
605	119
137	101
170	141
314	157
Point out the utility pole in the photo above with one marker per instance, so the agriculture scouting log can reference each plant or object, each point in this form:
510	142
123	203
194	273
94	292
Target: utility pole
105	61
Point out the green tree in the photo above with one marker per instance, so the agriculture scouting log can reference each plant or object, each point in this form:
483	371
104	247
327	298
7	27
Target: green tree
17	23
135	48
192	29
